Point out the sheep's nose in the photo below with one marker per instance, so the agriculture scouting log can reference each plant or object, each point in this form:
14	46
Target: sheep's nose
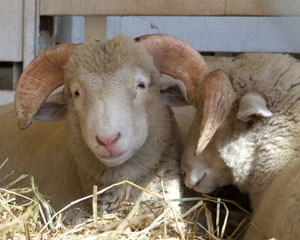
183	173
108	142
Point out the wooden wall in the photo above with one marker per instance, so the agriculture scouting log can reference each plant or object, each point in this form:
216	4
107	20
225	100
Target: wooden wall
11	35
218	34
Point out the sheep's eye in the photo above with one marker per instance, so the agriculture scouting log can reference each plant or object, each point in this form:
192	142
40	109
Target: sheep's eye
141	85
76	93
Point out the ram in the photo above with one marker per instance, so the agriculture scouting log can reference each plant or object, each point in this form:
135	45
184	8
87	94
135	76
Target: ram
114	122
247	132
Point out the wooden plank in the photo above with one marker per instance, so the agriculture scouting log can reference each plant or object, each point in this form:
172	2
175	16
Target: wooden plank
171	7
47	31
31	31
217	34
132	7
11	30
95	27
263	7
70	29
16	73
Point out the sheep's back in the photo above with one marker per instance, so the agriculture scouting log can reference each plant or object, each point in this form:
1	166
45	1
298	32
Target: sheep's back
277	213
40	151
275	76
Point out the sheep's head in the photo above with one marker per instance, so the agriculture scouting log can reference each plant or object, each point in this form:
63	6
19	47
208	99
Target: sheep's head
207	171
109	88
218	139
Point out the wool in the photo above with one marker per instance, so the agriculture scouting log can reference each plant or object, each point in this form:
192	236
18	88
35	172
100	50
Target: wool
101	94
259	155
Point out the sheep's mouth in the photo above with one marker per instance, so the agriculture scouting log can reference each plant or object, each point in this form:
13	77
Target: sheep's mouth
115	160
111	157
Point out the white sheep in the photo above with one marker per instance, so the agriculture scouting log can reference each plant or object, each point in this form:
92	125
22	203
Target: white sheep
184	115
117	126
247	132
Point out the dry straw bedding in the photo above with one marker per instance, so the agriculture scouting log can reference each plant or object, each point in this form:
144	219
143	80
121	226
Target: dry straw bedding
27	218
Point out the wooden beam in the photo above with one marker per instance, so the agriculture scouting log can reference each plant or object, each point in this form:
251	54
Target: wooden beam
95	27
30	31
132	7
217	34
263	7
11	30
171	7
16	73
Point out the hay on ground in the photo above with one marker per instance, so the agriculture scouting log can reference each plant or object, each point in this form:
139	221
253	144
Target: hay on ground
27	218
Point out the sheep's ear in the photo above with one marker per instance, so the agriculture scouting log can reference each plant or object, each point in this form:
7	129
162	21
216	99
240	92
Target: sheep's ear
173	91
252	105
53	109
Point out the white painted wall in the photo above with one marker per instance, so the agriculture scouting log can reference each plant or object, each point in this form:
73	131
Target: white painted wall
6	97
212	34
11	35
71	29
218	34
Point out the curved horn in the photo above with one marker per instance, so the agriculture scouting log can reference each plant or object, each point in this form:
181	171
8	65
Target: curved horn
171	55
219	97
176	58
39	79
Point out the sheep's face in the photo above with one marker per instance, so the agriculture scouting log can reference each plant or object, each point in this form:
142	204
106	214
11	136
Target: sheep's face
206	172
230	154
111	95
108	88
112	112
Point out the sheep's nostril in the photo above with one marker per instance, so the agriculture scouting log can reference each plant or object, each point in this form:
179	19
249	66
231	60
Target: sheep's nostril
108	141
183	173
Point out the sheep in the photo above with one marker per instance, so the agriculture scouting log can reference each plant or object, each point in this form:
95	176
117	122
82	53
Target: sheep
110	122
184	115
246	132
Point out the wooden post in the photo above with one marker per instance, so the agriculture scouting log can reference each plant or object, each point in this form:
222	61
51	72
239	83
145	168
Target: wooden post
30	30
95	27
16	73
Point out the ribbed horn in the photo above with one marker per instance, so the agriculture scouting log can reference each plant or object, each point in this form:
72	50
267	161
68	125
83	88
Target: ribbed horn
44	74
39	79
176	58
218	99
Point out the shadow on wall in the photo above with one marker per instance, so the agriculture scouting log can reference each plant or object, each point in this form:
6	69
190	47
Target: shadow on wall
6	75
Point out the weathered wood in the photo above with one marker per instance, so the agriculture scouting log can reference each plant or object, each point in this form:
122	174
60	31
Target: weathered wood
31	30
263	7
217	34
11	30
95	27
16	73
132	7
47	31
70	29
171	7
